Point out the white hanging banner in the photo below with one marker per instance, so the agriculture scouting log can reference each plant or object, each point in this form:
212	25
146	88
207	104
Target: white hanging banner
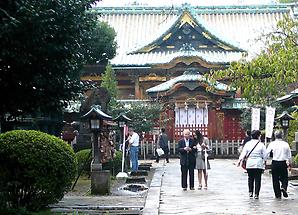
270	113
206	114
199	116
255	119
191	116
177	116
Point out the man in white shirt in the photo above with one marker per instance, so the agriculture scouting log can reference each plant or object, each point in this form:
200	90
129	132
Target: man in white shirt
133	146
280	162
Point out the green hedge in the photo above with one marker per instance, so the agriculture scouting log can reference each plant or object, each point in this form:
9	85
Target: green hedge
82	156
113	165
36	169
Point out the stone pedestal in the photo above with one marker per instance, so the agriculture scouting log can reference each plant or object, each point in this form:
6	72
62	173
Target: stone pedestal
100	182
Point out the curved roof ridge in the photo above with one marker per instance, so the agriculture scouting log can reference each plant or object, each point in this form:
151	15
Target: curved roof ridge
176	8
186	77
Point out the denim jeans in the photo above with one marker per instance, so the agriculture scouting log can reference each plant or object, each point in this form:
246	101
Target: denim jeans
134	151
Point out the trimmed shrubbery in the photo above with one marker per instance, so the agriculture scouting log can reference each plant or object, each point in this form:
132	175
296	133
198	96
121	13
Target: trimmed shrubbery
82	156
36	169
113	165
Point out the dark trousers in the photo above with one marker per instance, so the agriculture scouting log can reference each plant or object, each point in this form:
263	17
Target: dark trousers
279	174
254	180
187	169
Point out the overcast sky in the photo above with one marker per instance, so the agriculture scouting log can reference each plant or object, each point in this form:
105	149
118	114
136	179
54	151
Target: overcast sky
179	2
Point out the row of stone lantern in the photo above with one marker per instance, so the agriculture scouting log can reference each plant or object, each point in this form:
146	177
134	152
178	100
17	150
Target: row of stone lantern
100	179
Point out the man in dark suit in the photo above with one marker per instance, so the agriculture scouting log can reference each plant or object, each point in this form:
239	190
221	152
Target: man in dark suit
187	150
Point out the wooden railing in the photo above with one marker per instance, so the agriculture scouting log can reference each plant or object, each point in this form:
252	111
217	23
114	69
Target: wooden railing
221	149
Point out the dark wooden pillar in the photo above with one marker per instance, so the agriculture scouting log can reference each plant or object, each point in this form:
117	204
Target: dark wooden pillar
137	88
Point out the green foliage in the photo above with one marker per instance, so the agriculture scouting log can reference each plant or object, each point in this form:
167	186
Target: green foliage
109	82
143	115
36	169
266	77
101	44
113	165
44	45
296	160
293	128
82	157
245	118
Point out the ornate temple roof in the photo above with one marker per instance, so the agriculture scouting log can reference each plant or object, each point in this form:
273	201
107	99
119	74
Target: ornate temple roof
141	28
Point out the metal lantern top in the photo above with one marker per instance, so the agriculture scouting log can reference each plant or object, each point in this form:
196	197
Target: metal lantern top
284	119
122	119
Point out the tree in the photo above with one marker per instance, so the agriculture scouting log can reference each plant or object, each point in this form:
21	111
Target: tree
143	115
267	76
44	45
109	82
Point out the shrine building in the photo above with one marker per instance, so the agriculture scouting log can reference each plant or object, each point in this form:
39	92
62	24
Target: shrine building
164	52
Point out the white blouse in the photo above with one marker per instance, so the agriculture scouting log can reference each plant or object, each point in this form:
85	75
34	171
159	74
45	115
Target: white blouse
206	142
257	158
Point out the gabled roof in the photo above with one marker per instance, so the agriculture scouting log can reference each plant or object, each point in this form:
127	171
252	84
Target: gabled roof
186	78
138	26
193	30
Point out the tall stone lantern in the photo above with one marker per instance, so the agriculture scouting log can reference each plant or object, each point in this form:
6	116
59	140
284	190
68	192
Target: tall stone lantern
100	179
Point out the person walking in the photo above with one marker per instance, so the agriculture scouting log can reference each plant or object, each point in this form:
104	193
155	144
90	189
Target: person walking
133	145
202	145
163	144
255	152
280	162
187	150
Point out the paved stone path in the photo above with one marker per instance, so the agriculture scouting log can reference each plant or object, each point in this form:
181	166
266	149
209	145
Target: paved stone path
227	193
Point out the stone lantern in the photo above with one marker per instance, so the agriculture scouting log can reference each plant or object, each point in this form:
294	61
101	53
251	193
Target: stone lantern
100	180
284	120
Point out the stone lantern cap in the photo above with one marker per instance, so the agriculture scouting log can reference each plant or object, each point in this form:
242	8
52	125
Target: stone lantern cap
95	111
285	116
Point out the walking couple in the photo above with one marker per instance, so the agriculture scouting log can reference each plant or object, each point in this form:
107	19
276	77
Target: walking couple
256	154
192	156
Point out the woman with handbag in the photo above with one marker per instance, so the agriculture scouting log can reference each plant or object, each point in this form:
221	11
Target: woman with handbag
254	153
202	145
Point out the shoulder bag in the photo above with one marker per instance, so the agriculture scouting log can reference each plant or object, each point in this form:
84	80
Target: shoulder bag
243	164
